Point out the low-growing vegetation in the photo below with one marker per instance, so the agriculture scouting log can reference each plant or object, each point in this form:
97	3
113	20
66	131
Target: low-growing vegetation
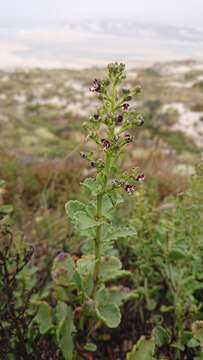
118	273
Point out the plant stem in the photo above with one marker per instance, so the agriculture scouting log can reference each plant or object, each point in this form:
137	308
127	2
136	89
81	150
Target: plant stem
99	227
99	200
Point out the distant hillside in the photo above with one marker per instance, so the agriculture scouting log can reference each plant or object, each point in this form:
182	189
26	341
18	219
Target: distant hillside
90	42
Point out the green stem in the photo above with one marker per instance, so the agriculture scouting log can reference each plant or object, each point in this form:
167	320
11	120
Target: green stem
96	273
99	227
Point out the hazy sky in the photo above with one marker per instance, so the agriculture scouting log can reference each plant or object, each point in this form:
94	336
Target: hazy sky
177	12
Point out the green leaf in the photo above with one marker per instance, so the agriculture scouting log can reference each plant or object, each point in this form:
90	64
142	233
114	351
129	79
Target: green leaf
143	350
64	334
6	209
61	311
90	184
84	221
44	317
162	336
72	207
176	254
90	347
110	269
63	269
88	283
109	314
102	295
110	232
120	294
85	264
107	206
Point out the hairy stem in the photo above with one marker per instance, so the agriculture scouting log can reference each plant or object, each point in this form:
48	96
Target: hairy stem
99	227
108	160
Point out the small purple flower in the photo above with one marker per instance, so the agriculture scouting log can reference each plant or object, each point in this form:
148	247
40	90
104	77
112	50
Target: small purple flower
96	116
106	144
96	87
126	106
140	177
119	119
128	138
130	188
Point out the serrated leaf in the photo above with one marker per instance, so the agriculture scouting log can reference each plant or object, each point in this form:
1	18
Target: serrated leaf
44	317
85	264
90	184
143	350
110	314
111	232
84	221
72	207
119	295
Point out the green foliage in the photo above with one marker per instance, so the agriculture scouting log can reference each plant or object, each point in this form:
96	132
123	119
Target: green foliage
168	251
83	282
143	350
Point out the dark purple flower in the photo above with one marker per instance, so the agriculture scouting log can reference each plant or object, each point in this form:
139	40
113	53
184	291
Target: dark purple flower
96	116
140	177
119	119
130	188
128	138
106	144
96	87
126	106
